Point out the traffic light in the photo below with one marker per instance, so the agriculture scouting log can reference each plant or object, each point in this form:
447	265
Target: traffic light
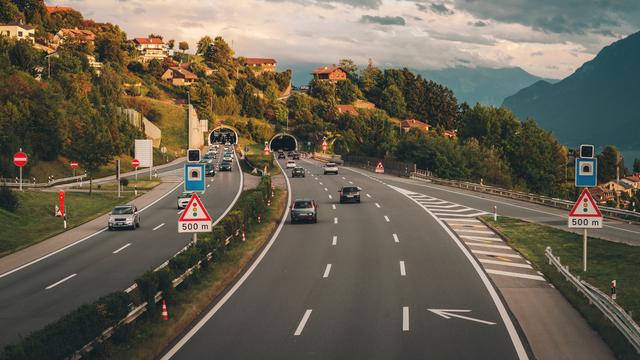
587	151
193	155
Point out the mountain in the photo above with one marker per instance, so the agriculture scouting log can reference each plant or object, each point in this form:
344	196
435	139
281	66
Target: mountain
484	85
597	104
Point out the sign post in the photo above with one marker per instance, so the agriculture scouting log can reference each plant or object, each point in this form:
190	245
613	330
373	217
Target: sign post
194	218
63	211
135	163
74	166
118	175
585	215
20	159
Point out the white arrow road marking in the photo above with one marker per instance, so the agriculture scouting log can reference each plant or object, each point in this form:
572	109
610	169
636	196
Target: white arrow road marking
60	282
303	322
122	248
449	313
395	238
158	227
405	318
403	272
327	270
335	240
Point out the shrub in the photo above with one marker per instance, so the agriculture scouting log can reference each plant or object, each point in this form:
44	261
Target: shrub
148	285
124	182
154	115
8	199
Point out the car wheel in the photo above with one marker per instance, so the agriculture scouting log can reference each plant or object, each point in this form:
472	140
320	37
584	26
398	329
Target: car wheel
358	201
315	220
110	228
341	201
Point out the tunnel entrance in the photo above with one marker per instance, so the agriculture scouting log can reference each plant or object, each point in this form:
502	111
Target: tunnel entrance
223	134
284	142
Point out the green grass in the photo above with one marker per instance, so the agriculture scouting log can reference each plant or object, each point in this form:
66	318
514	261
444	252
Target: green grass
34	220
606	261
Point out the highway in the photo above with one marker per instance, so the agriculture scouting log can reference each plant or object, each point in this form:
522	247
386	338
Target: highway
383	279
107	261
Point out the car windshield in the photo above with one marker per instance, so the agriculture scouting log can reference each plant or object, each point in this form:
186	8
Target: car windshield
122	210
349	189
302	204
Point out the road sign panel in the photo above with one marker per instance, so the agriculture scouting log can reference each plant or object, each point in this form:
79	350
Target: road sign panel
380	168
20	159
135	163
266	150
585	213
586	172
61	201
194	177
195	217
73	164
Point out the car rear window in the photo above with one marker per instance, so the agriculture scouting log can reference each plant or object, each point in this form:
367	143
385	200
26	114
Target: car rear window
331	164
349	189
302	204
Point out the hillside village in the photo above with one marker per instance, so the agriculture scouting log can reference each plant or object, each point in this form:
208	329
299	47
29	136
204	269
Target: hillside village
381	113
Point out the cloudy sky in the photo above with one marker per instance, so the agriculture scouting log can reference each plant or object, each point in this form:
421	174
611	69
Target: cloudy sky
548	38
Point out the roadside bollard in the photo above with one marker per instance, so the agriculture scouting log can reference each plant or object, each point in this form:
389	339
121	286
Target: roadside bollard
244	238
259	219
613	289
495	213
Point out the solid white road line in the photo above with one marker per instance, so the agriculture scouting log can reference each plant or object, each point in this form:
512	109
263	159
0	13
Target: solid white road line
327	270
344	178
334	242
378	205
481	238
303	322
122	248
493	253
369	196
158	227
505	263
325	189
330	197
59	282
321	183
403	271
516	275
83	239
395	238
335	220
405	318
386	218
488	245
333	206
351	182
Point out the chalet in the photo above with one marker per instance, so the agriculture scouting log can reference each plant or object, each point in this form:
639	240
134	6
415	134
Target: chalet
347	109
261	65
618	187
179	76
602	195
150	48
329	73
407	125
73	35
18	31
634	180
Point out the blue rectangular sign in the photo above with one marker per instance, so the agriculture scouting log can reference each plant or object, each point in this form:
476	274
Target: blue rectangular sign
194	177
586	172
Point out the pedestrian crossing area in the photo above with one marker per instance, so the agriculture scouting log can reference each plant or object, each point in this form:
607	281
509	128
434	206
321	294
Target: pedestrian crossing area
504	265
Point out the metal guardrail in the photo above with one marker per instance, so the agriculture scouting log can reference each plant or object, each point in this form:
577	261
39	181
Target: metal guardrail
27	184
609	308
518	195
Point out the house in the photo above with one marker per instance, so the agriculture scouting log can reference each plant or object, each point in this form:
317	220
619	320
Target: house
49	50
329	73
619	187
602	195
451	134
347	109
179	76
407	125
634	180
73	35
55	9
261	65
150	48
18	31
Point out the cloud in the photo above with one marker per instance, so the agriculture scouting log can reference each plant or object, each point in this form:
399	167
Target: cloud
367	4
537	53
382	20
478	23
441	9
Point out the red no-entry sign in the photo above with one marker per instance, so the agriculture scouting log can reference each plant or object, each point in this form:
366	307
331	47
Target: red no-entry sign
73	164
20	159
135	163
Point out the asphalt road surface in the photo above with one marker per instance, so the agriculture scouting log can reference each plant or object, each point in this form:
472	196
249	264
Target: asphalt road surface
108	261
368	281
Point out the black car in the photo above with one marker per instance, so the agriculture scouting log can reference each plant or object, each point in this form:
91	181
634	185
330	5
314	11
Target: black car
304	210
225	166
349	193
295	156
297	172
281	155
209	170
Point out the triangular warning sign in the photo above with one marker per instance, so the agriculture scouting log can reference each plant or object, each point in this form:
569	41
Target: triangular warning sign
585	206
379	167
195	211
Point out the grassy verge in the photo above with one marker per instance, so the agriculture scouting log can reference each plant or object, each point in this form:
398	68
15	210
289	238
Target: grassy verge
35	221
149	336
141	184
606	261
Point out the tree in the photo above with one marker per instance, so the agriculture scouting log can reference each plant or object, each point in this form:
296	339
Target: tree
393	102
184	46
10	12
220	54
323	90
24	56
108	49
349	66
609	162
155	68
170	44
152	35
347	91
204	44
636	166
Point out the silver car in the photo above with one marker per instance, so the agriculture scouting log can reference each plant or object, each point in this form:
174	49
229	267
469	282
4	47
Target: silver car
124	216
183	199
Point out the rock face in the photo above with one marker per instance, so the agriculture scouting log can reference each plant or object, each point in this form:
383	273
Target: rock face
598	104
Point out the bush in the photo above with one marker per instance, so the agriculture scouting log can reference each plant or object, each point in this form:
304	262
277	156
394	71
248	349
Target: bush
124	182
148	285
154	115
8	199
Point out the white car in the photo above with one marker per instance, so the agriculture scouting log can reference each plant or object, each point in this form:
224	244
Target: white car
183	199
291	164
330	168
227	158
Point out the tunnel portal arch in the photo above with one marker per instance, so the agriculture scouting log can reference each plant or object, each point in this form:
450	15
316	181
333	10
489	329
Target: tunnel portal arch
222	134
284	142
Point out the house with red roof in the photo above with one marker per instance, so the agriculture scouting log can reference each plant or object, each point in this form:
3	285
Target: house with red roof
347	109
151	48
261	65
407	125
179	76
73	35
329	73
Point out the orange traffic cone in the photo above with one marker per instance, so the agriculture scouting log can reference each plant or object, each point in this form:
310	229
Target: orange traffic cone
165	313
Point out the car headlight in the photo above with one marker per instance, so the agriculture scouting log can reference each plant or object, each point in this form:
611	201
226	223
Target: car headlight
129	221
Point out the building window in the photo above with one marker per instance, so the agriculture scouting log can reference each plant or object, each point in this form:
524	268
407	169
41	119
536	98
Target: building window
19	33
